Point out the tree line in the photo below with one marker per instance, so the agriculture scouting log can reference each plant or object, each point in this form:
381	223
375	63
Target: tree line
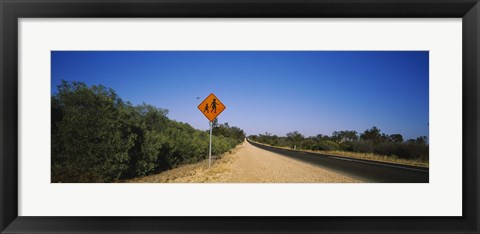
370	141
98	137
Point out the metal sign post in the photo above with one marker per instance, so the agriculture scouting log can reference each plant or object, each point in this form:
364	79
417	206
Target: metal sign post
211	107
210	147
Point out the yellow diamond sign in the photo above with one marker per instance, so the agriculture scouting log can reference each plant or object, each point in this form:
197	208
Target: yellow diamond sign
211	107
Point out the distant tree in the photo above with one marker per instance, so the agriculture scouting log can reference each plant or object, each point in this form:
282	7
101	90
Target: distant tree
319	137
345	136
215	123
421	140
296	137
308	144
395	138
336	136
384	138
372	134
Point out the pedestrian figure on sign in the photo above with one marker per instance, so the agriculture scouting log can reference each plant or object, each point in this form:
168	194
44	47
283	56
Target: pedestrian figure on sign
206	108
214	105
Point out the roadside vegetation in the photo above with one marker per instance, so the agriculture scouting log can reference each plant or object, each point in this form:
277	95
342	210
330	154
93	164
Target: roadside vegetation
98	137
372	144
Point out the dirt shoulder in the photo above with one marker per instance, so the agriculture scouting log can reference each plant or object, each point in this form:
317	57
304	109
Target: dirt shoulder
248	164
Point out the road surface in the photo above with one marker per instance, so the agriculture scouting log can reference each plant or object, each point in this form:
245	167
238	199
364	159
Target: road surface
362	169
249	164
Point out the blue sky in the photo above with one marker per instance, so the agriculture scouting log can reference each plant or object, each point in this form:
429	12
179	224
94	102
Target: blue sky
314	92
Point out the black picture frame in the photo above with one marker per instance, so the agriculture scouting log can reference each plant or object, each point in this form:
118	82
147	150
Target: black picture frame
11	11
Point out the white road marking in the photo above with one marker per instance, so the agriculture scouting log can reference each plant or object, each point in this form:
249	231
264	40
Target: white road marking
344	159
381	164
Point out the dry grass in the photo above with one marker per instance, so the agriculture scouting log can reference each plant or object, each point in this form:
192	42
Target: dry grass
366	156
194	173
376	157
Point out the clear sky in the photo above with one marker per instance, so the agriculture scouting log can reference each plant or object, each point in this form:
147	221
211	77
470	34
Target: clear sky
314	92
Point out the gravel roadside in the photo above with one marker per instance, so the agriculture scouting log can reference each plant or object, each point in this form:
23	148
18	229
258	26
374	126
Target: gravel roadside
249	164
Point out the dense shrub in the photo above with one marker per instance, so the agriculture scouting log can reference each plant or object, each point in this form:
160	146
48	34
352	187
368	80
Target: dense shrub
97	137
370	141
362	146
227	131
90	140
386	148
326	145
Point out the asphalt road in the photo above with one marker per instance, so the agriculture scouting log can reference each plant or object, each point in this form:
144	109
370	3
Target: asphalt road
363	169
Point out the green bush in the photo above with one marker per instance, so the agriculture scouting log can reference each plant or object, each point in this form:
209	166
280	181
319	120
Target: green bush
386	148
307	144
90	140
96	137
362	146
326	145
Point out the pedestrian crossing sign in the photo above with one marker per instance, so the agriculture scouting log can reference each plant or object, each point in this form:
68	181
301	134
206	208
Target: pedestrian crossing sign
211	107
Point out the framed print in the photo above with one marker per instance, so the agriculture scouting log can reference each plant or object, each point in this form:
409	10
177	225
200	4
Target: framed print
252	116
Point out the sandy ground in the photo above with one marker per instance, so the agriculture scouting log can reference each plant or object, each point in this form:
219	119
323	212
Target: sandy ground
248	164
